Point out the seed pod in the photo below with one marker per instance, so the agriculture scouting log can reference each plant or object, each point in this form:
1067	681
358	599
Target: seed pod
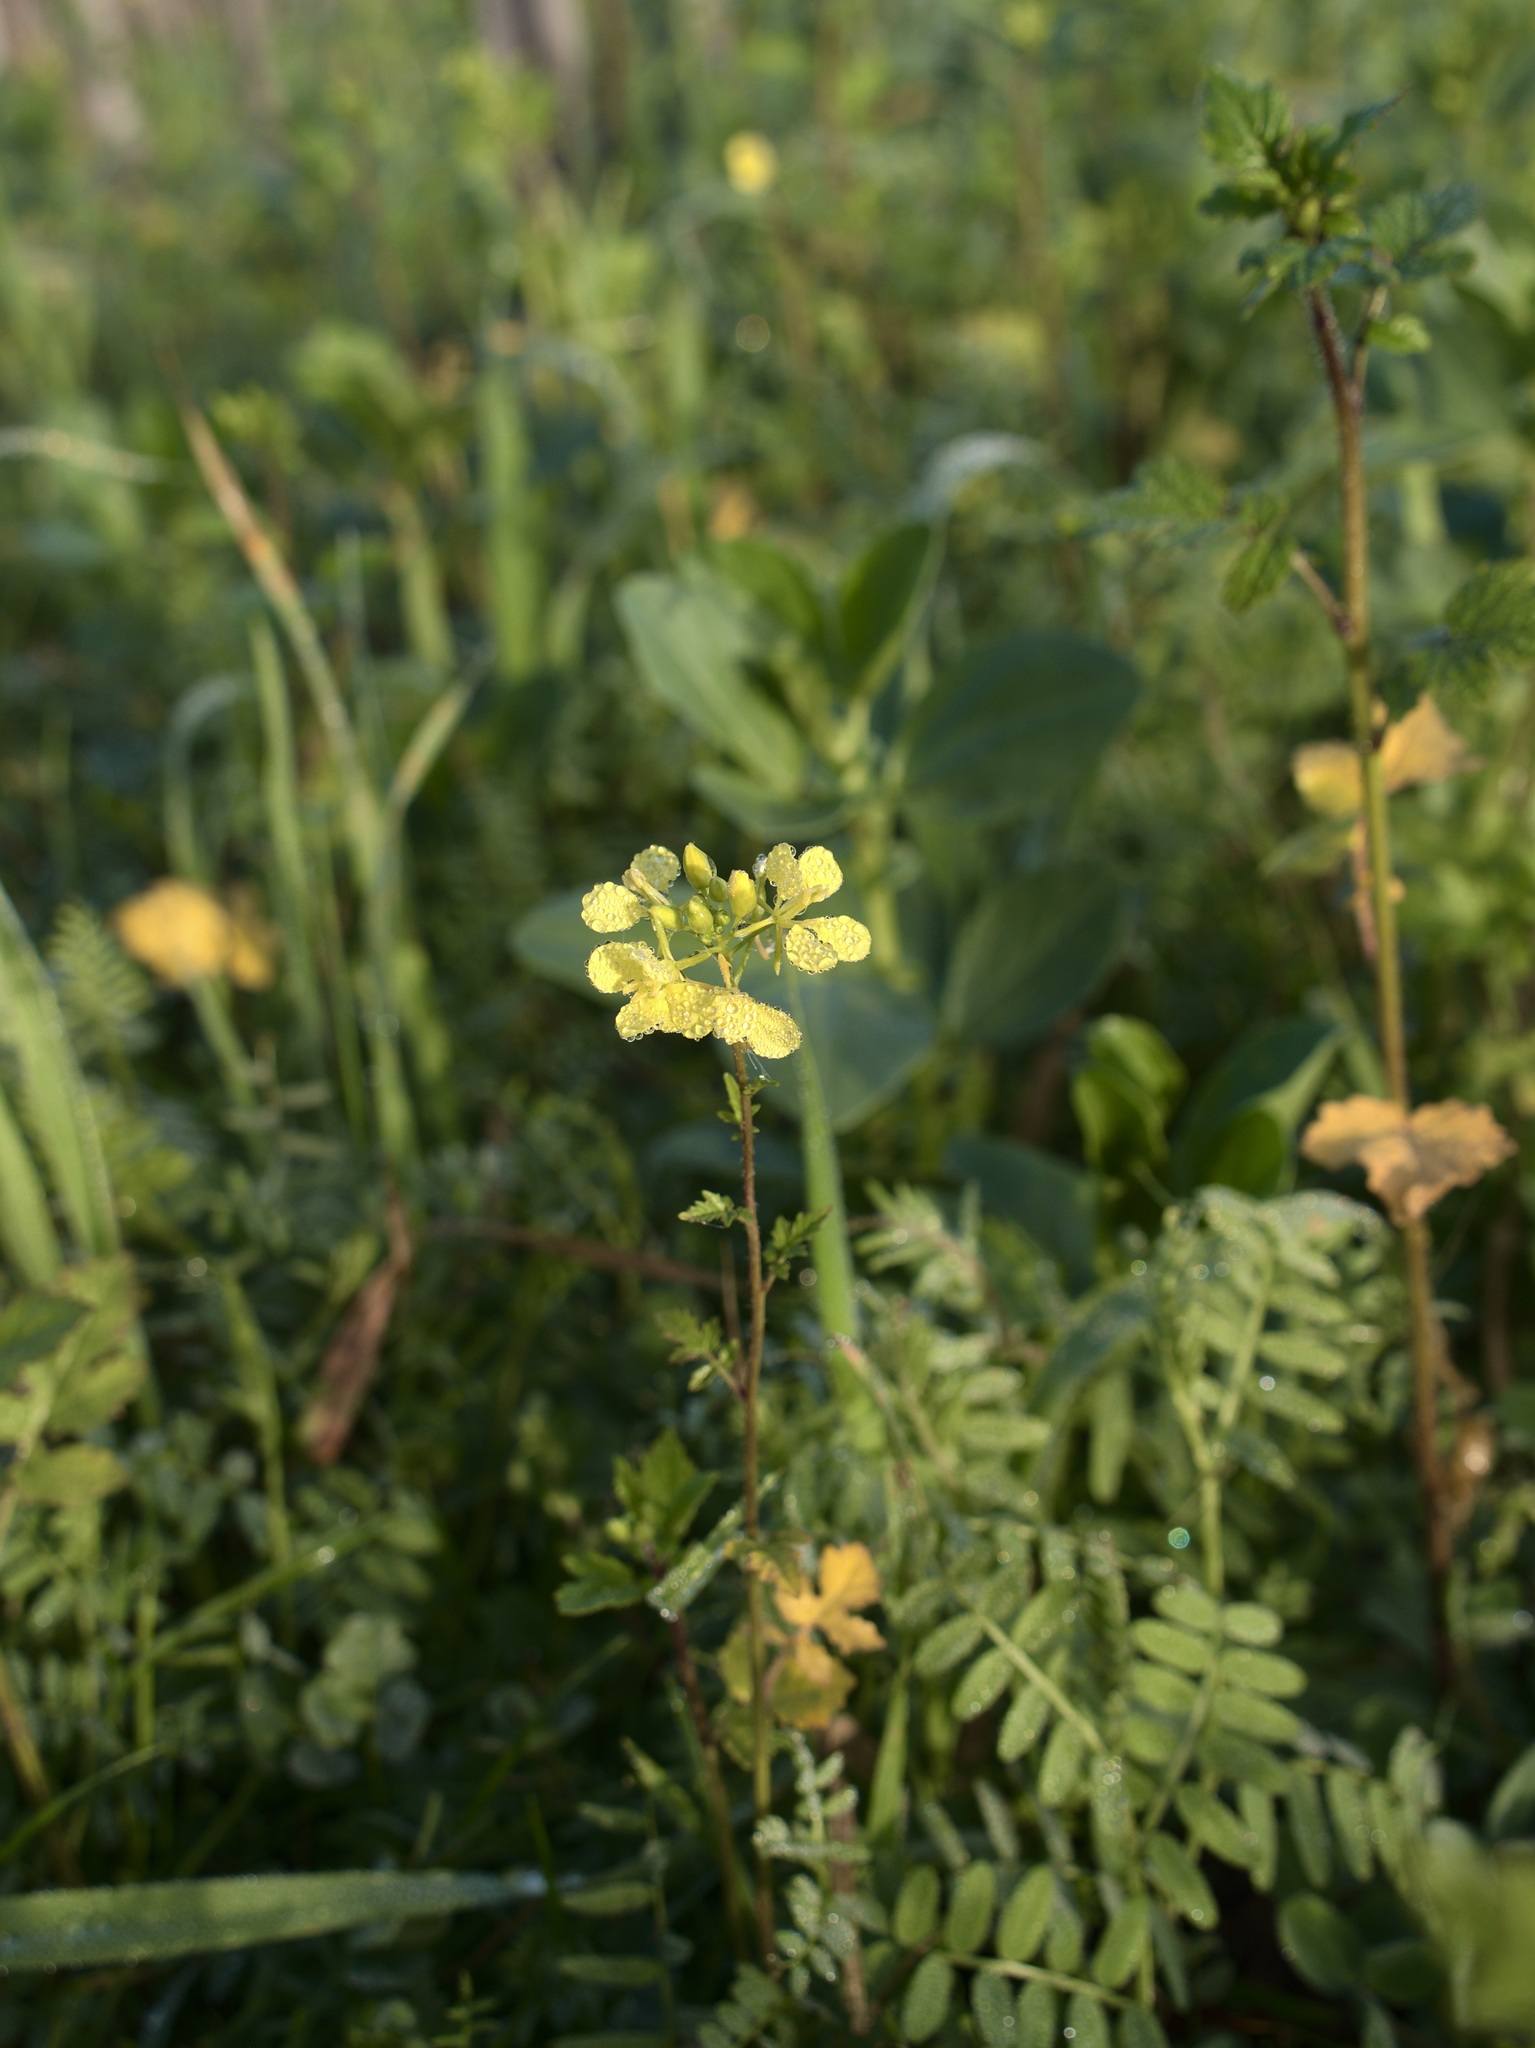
743	895
697	866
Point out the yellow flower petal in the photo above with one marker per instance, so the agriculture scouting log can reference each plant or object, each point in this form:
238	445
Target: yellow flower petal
621	968
751	163
781	867
820	942
771	1033
690	1010
610	907
179	931
820	875
657	865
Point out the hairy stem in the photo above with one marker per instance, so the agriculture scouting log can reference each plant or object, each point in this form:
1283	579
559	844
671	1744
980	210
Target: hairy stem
1346	388
751	1380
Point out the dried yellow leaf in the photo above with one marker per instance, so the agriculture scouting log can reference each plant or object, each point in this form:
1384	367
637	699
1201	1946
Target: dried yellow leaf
1418	749
848	1580
1326	773
1409	1160
1421	748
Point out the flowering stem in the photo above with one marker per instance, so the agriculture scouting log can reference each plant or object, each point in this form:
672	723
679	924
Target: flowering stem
756	1294
1345	385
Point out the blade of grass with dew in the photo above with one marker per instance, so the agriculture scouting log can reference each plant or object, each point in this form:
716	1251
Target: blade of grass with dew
423	606
292	877
54	1100
27	1236
513	563
142	1923
372	869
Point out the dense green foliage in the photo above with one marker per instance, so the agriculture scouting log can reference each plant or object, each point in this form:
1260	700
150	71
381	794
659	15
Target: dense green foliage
897	429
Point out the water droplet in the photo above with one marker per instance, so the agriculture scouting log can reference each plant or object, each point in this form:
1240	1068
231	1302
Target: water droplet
325	1555
1266	1381
1180	1539
196	1268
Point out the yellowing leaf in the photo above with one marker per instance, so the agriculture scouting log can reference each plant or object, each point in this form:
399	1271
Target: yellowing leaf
1421	748
1418	749
849	1579
809	1686
1409	1161
1327	775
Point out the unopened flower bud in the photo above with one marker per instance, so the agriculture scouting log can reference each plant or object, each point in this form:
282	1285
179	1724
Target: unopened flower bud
701	918
743	895
663	915
697	866
716	892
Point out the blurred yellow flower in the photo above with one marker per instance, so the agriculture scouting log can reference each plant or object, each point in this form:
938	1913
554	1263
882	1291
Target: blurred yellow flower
182	933
751	163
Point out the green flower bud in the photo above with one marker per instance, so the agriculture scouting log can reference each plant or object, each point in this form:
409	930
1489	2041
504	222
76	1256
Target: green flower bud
716	892
701	918
743	895
697	866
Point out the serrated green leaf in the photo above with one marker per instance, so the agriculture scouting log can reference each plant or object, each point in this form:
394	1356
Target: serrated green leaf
1243	126
1257	569
72	1476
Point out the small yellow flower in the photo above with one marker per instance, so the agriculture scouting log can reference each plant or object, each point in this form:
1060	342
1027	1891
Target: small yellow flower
751	164
182	933
720	926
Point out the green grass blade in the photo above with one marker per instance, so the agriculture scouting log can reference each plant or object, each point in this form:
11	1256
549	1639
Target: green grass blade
55	1101
27	1236
142	1923
291	876
513	563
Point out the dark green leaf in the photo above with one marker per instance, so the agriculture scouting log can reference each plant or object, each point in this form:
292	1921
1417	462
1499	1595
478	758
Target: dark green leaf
1320	1945
926	2004
1033	948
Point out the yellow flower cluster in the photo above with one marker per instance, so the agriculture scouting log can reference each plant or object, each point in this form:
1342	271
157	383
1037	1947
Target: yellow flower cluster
724	921
751	164
184	934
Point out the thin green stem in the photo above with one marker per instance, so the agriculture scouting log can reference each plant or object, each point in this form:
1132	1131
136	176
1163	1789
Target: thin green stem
1036	1677
1345	385
751	1380
1033	1973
